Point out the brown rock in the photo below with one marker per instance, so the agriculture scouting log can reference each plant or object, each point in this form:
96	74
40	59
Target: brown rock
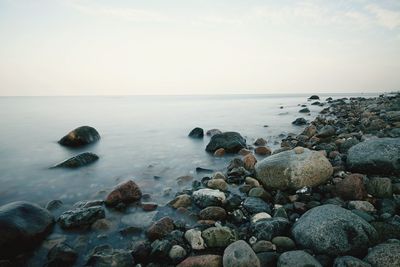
244	152
249	161
184	179
218	184
160	228
220	152
263	150
213	213
252	182
149	206
126	192
181	201
351	188
201	261
260	142
310	131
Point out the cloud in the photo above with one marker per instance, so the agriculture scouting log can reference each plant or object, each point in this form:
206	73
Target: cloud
384	17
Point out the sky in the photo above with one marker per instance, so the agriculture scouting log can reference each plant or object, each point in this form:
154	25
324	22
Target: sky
128	47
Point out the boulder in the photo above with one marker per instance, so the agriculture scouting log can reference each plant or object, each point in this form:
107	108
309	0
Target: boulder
266	229
232	142
77	161
385	254
196	133
297	258
299	121
375	156
212	132
80	136
330	229
81	217
23	225
240	254
194	238
208	197
289	170
125	192
202	260
314	97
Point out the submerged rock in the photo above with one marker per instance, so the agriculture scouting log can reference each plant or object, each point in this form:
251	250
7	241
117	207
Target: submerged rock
80	136
81	217
126	192
232	142
299	121
196	133
77	161
23	225
240	254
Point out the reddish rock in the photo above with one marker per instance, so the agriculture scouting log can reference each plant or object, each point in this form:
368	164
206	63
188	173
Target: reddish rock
351	188
220	152
213	213
249	161
126	192
160	228
310	130
201	261
263	150
149	206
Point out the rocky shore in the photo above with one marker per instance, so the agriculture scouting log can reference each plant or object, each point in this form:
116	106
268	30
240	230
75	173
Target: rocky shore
329	196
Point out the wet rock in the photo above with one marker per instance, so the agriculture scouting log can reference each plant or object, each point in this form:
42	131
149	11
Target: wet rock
77	161
213	213
249	161
160	250
283	243
385	254
375	156
181	180
263	246
220	152
259	216
196	133
240	254
54	204
326	131
252	182
256	205
332	230
288	170
208	197
23	225
219	184
298	150
244	152
81	217
297	258
299	121
80	136
232	142
269	228
149	206
177	253
347	144
61	255
219	236
314	97
268	258
160	228
219	175
263	150
310	131
126	192
260	193
361	205
260	142
202	260
380	187
181	201
88	203
193	236
105	255
351	187
349	261
141	251
304	110
213	132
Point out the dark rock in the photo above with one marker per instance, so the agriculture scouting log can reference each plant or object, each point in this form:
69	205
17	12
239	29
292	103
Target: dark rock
177	253
351	188
268	258
54	204
269	228
232	142
349	261
141	251
283	243
240	254
80	136
299	121
213	213
61	255
326	131
23	225
314	97
213	132
126	192
77	161
380	187
105	255
385	254
196	133
219	237
255	205
347	144
81	217
160	228
260	142
297	258
160	250
202	260
304	110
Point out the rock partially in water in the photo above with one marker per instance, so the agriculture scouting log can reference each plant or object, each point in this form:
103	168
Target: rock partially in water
80	136
297	258
126	192
332	230
299	121
314	97
385	254
81	217
289	170
105	256
77	161
196	133
23	225
267	229
240	254
232	142
260	142
61	255
263	150
202	260
304	110
208	197
181	201
212	132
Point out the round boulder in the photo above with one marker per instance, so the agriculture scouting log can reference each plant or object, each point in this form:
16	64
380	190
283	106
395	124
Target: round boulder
80	136
232	142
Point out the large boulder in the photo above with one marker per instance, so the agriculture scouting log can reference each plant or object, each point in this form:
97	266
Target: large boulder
330	229
22	226
375	156
77	161
231	142
385	254
80	136
289	170
240	254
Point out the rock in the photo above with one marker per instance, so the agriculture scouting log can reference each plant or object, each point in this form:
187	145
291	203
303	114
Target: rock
304	110
288	170
160	249
196	133
160	228
240	254
81	217
208	197
259	216
310	131
141	251
256	205
232	142
268	258
195	240
252	182
203	260
361	205
219	184
61	255
380	187
213	132
326	131
384	255
181	201
219	236
269	228
220	152
298	150
218	175
244	152
263	246
54	204
77	161
177	253
299	121
351	187
263	150
23	225
297	258
213	213
88	203
139	220
375	156
260	142
102	225
126	192
314	97
105	255
182	180
80	136
149	206
349	261
249	161
347	144
260	192
332	230
284	243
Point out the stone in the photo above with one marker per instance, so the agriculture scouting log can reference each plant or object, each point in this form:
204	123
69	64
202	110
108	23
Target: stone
177	253
304	110
213	132
299	122
268	258
326	131
298	150
149	206
221	236
375	156
126	192
240	254
193	236
380	187
288	170
202	260
361	205
347	144
269	228
249	161
297	258
244	152
102	225
196	133
219	184
77	161
208	197
160	249
80	136
160	228
213	213
182	180
314	97
105	255
232	142
283	243
252	182
349	261
330	229
385	254
23	226
259	216
260	142
181	201
259	192
54	204
218	175
351	188
310	131
81	217
220	152
263	151
263	246
256	205
61	255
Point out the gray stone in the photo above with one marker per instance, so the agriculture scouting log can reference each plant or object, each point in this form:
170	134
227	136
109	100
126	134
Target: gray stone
256	205
380	187
269	228
219	236
232	142
385	254
196	133
81	217
194	238
297	258
77	161
240	254
349	261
